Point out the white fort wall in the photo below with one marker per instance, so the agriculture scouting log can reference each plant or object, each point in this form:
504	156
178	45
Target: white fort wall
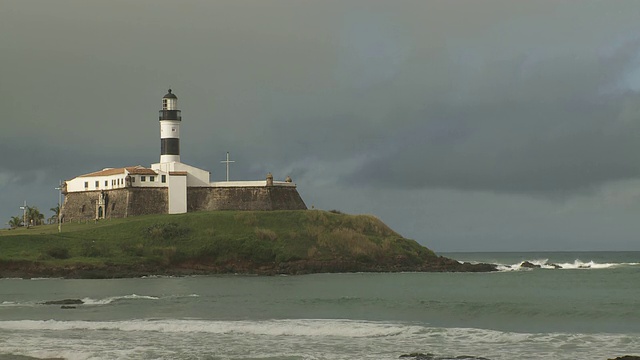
158	177
93	183
195	176
259	183
178	193
117	181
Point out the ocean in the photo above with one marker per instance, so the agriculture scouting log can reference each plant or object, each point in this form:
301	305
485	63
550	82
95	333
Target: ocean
589	309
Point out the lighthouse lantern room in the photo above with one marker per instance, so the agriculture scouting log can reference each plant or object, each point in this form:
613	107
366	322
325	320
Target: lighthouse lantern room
170	118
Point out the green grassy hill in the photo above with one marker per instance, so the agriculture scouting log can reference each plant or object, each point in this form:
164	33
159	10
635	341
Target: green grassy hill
213	242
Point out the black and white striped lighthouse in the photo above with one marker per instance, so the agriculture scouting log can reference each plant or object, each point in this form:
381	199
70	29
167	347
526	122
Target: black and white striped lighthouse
170	119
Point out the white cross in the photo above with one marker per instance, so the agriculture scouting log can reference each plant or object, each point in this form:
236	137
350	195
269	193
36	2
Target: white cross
227	161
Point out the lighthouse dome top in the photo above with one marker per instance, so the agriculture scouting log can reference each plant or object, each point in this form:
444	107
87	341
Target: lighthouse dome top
169	95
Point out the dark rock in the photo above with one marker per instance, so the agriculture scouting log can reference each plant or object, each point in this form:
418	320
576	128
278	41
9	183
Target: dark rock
418	356
627	357
428	356
529	265
555	266
67	307
64	302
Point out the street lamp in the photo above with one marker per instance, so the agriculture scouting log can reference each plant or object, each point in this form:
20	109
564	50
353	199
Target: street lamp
59	188
24	213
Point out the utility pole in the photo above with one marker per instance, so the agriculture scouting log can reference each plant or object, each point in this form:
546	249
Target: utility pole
24	213
59	188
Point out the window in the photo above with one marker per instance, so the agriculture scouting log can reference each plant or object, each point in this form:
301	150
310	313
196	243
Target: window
143	178
163	178
97	184
106	183
133	179
152	178
86	184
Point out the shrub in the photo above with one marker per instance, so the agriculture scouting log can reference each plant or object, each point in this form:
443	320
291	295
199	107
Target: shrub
312	252
166	231
219	250
168	254
93	249
318	217
314	231
248	219
133	250
266	234
348	241
58	252
286	257
255	250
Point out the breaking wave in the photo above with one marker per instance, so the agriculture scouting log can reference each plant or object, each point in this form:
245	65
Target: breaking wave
104	301
295	339
334	328
109	300
576	264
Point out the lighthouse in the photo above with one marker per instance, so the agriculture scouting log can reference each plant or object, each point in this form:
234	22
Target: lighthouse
170	119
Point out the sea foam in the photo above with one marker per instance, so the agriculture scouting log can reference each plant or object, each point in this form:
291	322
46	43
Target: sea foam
305	338
312	328
109	300
576	264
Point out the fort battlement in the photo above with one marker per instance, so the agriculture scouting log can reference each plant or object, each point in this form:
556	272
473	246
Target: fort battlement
135	201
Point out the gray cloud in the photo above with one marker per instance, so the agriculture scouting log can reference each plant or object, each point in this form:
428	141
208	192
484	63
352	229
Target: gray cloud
422	112
560	125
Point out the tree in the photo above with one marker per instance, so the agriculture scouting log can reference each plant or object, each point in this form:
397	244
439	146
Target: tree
34	216
16	221
56	214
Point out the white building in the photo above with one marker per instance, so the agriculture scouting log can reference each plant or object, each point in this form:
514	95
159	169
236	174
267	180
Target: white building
169	173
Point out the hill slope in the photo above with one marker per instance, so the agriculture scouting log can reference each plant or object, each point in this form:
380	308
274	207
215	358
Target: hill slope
273	242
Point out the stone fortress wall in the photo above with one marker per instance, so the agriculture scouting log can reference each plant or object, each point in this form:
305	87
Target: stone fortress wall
121	203
244	198
117	203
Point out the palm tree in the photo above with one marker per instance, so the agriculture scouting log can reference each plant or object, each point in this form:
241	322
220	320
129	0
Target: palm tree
16	221
34	217
56	213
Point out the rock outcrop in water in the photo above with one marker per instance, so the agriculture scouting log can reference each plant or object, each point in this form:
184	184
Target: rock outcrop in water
529	265
429	356
64	302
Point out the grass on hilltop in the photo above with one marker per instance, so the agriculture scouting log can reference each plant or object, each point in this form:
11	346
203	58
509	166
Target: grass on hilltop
217	237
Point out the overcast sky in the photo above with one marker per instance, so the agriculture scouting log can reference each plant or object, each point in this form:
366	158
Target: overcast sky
466	125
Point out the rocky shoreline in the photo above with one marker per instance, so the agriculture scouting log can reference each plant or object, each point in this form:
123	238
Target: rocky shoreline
414	356
429	356
32	269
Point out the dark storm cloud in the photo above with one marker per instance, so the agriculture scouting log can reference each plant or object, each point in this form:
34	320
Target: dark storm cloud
559	125
29	160
396	108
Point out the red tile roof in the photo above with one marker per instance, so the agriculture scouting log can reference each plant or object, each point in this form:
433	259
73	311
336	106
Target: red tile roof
134	170
142	171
